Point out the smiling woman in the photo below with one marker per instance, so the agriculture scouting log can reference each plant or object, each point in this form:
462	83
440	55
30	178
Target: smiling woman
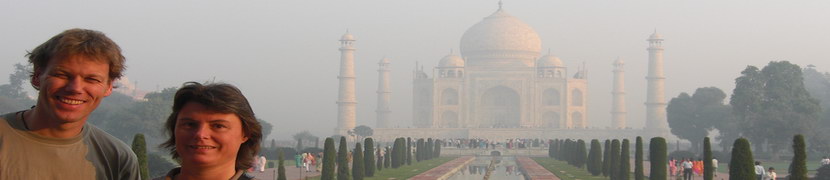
213	132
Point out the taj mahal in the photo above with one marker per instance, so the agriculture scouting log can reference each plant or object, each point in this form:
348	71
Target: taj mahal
501	86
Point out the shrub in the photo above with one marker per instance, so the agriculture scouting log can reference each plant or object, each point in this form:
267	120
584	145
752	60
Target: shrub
140	150
329	155
595	158
708	171
741	166
657	156
625	166
357	162
798	166
369	157
342	160
638	160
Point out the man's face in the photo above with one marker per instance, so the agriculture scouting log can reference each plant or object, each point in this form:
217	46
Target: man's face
71	87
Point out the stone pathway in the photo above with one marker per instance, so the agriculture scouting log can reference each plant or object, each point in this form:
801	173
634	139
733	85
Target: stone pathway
533	170
291	173
445	170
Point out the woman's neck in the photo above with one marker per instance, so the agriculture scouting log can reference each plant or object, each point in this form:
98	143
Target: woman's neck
200	172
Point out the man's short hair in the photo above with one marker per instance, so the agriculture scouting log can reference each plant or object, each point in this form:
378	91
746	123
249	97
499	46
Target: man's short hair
223	98
79	42
757	162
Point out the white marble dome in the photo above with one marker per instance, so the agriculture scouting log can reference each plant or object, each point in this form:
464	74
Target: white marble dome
498	39
549	61
451	60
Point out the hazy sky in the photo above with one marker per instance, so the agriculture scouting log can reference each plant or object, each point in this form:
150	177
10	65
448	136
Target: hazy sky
284	57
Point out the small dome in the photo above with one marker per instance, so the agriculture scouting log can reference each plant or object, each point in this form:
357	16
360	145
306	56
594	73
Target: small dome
384	61
347	37
549	61
655	36
619	61
451	60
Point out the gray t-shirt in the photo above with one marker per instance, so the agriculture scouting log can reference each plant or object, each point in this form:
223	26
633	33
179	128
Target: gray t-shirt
93	154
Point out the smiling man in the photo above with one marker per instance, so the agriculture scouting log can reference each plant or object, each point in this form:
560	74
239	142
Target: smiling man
73	72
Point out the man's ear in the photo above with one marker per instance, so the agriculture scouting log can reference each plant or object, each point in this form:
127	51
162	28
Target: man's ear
35	79
109	89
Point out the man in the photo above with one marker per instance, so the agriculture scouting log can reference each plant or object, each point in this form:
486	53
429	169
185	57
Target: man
759	170
715	166
73	72
687	169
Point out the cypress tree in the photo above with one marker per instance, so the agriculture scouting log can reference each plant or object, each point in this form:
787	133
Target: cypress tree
409	151
419	150
708	171
595	158
550	148
369	157
657	156
140	150
437	151
798	166
329	155
625	165
614	172
357	162
401	151
394	155
638	160
429	148
280	165
741	166
606	158
580	154
342	160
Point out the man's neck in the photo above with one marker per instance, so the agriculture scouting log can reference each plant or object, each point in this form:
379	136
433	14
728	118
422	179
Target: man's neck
43	125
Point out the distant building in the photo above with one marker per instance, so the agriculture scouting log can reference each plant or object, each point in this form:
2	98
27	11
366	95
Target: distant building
500	80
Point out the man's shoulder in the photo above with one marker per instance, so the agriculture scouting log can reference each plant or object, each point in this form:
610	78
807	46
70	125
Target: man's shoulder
103	140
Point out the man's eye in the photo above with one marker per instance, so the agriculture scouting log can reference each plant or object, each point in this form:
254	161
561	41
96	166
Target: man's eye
219	126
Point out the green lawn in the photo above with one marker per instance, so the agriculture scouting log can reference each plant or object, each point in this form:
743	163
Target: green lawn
405	171
564	170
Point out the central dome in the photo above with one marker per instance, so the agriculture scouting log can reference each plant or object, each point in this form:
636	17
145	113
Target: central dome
500	39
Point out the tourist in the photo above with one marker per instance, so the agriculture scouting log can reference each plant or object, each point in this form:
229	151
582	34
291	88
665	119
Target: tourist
715	166
759	170
672	167
825	161
262	163
770	175
213	133
72	72
687	169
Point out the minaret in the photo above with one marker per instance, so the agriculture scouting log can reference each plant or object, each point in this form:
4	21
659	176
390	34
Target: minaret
656	123
346	102
384	95
618	111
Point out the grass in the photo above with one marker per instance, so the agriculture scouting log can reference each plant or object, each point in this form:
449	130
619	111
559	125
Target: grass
406	171
564	170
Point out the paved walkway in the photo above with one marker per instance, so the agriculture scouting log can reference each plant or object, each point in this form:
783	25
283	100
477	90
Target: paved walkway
445	170
291	173
533	170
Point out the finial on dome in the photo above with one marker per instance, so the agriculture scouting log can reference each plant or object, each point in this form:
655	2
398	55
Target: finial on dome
548	51
500	4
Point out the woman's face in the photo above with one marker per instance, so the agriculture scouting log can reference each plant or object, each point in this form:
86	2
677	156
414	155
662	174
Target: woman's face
207	138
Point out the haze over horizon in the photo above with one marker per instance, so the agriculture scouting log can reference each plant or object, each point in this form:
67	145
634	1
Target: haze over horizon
284	57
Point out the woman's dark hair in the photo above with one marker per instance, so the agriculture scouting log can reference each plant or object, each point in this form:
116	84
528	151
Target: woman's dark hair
222	98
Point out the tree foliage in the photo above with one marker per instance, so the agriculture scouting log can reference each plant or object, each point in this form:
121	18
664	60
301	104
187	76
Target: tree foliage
772	104
708	168
614	172
369	157
691	117
625	165
657	156
281	165
798	166
329	156
140	150
358	170
741	166
606	158
342	160
363	131
638	159
300	137
595	158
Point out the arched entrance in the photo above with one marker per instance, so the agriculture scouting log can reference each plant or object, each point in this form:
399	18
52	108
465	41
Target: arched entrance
499	108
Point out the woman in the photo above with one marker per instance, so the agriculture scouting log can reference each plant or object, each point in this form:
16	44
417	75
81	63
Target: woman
213	133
